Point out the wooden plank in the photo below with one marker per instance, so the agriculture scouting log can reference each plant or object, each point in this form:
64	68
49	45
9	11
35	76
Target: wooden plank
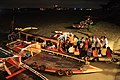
44	38
12	75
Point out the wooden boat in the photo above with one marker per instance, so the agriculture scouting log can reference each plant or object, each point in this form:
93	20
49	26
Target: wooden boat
30	55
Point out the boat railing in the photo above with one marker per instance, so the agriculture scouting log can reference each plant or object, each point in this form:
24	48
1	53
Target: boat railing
34	71
63	55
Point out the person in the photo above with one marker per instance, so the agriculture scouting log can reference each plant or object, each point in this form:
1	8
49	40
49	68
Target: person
82	39
89	52
94	41
81	45
98	44
75	40
86	44
77	52
99	52
86	59
95	54
105	42
71	50
78	43
103	51
82	53
71	39
44	44
89	42
108	52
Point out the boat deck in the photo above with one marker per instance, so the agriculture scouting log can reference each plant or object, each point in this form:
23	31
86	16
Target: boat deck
53	61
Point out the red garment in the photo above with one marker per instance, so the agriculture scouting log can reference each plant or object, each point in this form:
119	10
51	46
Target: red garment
95	53
71	39
108	53
86	44
77	52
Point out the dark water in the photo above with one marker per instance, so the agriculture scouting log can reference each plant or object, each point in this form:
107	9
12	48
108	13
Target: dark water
25	18
35	17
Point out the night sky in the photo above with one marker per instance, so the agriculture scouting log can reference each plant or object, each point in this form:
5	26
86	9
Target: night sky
50	3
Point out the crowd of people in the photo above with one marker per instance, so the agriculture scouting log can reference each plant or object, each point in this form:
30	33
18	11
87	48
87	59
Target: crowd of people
70	44
82	47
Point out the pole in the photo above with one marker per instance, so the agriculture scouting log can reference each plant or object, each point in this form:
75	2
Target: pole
13	21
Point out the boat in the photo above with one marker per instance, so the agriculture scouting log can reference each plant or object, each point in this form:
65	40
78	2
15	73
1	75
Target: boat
32	54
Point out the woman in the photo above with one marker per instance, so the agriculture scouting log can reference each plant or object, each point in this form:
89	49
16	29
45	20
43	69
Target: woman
95	54
108	52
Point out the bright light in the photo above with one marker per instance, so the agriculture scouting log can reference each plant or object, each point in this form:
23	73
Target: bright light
18	8
89	9
56	5
75	8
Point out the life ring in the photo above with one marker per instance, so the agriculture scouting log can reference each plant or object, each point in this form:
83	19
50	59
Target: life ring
60	72
42	68
69	72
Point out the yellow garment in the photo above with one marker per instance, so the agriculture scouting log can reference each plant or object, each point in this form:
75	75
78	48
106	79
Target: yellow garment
77	52
103	51
75	41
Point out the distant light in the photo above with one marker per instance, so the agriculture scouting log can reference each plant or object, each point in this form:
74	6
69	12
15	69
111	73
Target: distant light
75	8
56	5
59	9
89	9
81	9
42	9
18	8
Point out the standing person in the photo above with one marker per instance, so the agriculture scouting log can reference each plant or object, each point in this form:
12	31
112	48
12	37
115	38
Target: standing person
78	43
75	41
98	44
82	39
95	54
89	42
60	46
71	39
81	45
94	41
82	53
86	44
89	52
106	42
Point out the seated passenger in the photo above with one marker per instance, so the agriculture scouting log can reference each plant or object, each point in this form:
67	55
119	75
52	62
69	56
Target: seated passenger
89	52
77	52
71	50
103	52
95	54
108	52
